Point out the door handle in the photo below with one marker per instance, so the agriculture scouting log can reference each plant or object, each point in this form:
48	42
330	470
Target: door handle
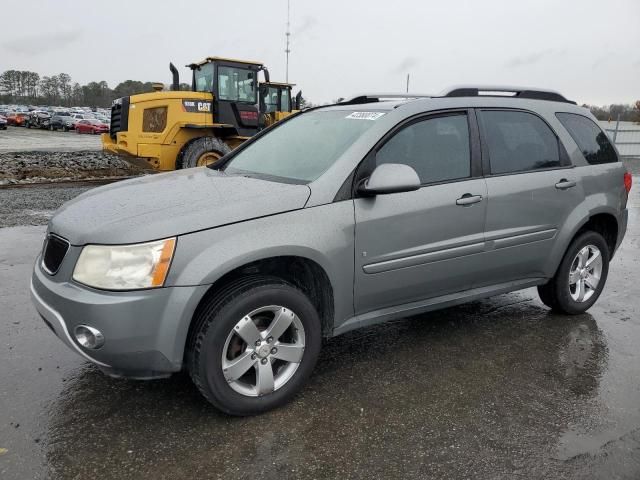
564	184
468	199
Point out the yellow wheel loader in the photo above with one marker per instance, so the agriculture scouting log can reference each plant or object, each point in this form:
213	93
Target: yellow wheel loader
227	104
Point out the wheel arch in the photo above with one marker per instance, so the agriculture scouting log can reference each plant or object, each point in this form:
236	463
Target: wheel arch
601	220
300	271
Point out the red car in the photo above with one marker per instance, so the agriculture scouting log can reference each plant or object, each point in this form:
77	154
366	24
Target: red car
16	119
91	126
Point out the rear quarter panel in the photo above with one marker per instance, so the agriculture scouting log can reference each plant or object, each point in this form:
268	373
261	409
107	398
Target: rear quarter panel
602	186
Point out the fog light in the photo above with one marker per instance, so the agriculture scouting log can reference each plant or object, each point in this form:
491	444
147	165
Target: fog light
89	337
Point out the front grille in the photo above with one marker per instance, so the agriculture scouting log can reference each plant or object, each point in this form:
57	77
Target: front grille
119	117
55	248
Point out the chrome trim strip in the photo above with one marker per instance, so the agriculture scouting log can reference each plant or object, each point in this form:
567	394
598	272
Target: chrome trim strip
58	317
424	258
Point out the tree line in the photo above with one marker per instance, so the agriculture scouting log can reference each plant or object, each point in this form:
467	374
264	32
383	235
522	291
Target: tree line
25	87
625	113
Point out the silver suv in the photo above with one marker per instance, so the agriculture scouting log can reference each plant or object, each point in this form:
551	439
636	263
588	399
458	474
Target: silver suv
337	218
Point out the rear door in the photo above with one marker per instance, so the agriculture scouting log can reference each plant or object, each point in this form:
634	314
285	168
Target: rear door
416	245
532	189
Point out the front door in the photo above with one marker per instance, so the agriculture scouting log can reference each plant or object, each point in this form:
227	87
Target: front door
426	243
236	99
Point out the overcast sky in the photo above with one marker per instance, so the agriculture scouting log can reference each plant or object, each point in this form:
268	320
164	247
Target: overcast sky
588	50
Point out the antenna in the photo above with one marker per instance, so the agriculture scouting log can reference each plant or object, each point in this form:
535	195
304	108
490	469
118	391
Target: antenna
288	35
407	83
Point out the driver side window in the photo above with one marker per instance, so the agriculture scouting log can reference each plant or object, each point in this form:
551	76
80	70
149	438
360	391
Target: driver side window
437	148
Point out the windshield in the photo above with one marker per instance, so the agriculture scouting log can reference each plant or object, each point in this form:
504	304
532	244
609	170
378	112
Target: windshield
204	78
303	148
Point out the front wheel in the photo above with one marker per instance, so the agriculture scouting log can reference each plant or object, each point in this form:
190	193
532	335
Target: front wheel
202	152
581	276
254	345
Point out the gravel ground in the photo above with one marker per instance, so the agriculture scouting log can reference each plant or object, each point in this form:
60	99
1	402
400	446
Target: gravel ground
42	167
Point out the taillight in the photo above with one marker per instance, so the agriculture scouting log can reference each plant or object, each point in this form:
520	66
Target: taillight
627	181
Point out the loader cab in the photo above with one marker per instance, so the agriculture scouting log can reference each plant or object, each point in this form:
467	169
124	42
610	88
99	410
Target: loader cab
234	85
275	97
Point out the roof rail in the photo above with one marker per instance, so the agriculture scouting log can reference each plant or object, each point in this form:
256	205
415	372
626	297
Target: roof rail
498	91
381	97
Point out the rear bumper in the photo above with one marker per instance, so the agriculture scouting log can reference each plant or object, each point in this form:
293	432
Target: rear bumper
145	331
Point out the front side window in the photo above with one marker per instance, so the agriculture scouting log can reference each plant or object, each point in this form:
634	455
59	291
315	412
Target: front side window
301	149
237	85
436	148
519	142
204	78
591	140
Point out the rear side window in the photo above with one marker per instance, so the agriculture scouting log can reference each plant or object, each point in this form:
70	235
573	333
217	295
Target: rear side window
519	142
436	148
591	140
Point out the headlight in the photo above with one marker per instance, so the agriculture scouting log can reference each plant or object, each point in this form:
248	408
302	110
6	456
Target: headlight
125	267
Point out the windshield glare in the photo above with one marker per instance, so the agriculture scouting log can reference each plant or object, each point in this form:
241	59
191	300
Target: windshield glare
303	148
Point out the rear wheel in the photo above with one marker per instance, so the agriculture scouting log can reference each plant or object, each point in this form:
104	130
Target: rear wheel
203	152
254	345
581	276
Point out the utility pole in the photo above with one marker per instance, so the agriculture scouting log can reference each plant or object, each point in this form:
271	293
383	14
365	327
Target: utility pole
288	35
407	83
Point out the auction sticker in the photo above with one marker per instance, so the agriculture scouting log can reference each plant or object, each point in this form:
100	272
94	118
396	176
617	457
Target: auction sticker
365	115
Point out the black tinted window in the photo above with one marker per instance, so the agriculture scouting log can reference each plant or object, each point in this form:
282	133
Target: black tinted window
437	148
519	141
591	140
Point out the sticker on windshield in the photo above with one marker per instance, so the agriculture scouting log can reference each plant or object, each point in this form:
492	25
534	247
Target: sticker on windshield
365	115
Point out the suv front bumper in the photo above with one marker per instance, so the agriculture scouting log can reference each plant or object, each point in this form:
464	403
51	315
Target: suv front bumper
145	331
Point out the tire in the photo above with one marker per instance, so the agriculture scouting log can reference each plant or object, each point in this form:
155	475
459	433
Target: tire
560	293
65	128
193	154
214	333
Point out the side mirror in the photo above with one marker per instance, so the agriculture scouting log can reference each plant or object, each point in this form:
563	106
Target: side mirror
390	178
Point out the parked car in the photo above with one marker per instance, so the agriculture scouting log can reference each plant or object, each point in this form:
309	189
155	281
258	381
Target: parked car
3	122
91	126
336	218
38	119
17	119
62	122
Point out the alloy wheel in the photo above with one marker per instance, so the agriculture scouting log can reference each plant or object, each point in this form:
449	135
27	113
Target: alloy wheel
585	273
263	351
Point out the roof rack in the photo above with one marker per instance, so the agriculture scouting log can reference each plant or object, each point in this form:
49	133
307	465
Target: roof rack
499	91
381	97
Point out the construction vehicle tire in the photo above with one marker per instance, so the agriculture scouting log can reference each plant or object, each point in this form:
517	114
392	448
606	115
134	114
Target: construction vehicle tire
202	152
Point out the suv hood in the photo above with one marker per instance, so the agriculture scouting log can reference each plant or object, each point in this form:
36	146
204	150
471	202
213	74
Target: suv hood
170	204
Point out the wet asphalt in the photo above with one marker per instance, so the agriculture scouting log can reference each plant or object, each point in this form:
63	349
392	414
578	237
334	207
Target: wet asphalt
499	388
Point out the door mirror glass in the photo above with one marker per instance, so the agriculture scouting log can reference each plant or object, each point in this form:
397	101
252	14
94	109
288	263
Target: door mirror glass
390	178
